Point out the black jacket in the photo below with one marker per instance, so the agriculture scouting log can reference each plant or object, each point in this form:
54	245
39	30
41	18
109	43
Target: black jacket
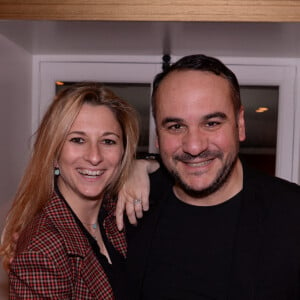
267	252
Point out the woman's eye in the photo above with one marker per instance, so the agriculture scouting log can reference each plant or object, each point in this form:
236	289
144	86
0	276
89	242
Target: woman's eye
109	142
77	140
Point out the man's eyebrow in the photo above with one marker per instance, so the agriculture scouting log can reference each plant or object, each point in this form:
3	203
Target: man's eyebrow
220	115
171	120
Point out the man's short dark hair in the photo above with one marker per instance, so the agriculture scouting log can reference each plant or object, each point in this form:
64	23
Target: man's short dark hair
200	62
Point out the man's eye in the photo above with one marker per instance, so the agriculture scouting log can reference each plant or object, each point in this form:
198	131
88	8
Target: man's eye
77	140
175	127
212	124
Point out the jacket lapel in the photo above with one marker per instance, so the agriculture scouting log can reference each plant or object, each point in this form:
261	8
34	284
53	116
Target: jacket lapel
116	237
140	238
248	242
77	245
95	278
62	218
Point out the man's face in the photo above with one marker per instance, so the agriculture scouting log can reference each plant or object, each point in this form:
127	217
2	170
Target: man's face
198	131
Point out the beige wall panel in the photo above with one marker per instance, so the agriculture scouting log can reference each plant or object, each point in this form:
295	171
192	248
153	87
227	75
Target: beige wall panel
155	10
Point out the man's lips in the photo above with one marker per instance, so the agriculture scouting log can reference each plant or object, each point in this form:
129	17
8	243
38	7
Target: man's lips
196	164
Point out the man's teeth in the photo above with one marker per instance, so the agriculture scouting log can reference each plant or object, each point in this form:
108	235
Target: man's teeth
90	173
199	164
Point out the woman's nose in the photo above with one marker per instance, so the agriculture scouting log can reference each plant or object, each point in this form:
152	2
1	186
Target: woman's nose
93	154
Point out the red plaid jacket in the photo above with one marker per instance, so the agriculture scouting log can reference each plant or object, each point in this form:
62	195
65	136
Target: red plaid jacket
54	259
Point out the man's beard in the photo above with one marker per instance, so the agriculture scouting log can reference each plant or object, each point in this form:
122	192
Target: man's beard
220	179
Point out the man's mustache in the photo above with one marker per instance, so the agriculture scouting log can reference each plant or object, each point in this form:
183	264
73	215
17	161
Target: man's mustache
203	155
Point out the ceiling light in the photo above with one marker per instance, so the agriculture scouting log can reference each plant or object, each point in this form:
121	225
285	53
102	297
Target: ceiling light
262	109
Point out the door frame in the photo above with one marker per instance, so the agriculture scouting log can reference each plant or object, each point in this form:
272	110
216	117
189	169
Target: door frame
142	69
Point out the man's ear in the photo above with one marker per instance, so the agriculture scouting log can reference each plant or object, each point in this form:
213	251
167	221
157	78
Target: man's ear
241	125
156	143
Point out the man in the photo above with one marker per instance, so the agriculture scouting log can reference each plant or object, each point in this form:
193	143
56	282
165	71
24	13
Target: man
215	229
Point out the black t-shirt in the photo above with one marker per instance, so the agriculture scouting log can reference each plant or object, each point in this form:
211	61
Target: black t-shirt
192	250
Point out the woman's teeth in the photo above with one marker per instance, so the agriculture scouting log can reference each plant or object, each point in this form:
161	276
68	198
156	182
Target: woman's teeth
90	173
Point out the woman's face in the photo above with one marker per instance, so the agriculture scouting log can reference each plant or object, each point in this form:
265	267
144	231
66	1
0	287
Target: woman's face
91	155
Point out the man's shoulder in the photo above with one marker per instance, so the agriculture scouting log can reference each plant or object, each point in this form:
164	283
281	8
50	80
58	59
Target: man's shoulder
266	180
271	187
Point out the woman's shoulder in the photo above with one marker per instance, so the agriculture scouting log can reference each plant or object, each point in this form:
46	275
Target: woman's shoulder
40	235
54	231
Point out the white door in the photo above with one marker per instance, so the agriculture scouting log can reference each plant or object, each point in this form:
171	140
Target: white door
137	70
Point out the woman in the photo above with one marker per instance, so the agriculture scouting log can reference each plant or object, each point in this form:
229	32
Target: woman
69	246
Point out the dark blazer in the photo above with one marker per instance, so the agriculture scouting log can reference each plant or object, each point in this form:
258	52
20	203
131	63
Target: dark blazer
54	259
267	251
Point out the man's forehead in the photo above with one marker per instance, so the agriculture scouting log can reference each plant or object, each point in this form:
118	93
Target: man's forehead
192	79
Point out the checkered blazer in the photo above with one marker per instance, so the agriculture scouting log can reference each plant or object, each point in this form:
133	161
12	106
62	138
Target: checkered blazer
54	259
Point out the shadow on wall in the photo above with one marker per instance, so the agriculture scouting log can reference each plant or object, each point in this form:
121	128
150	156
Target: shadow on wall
4	207
3	285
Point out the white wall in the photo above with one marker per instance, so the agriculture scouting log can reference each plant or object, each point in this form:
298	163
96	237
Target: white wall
296	170
15	125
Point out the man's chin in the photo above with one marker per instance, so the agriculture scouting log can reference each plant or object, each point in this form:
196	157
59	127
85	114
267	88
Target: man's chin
196	191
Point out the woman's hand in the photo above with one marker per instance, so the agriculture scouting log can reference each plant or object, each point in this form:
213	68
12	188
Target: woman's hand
134	195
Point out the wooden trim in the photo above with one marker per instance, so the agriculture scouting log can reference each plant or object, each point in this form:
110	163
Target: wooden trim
153	10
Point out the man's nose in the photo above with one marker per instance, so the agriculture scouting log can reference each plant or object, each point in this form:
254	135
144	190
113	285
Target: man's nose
194	142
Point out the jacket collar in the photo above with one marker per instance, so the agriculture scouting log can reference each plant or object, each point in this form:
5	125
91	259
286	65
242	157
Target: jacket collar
116	237
249	238
61	216
77	245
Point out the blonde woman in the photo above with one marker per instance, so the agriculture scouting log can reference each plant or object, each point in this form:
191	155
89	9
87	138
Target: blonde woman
69	246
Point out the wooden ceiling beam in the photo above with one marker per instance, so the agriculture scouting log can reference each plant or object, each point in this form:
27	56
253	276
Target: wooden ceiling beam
152	10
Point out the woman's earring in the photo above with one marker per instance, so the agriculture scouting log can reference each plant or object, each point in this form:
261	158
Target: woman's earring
56	171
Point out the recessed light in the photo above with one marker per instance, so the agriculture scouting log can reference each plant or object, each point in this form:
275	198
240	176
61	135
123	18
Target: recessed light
262	109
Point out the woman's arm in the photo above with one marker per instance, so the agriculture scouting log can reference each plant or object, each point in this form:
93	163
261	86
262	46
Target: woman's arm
134	195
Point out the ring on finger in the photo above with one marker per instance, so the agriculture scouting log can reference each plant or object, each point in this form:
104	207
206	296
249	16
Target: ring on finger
137	201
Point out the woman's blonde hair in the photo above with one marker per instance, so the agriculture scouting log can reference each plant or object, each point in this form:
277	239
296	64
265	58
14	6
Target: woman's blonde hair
37	183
